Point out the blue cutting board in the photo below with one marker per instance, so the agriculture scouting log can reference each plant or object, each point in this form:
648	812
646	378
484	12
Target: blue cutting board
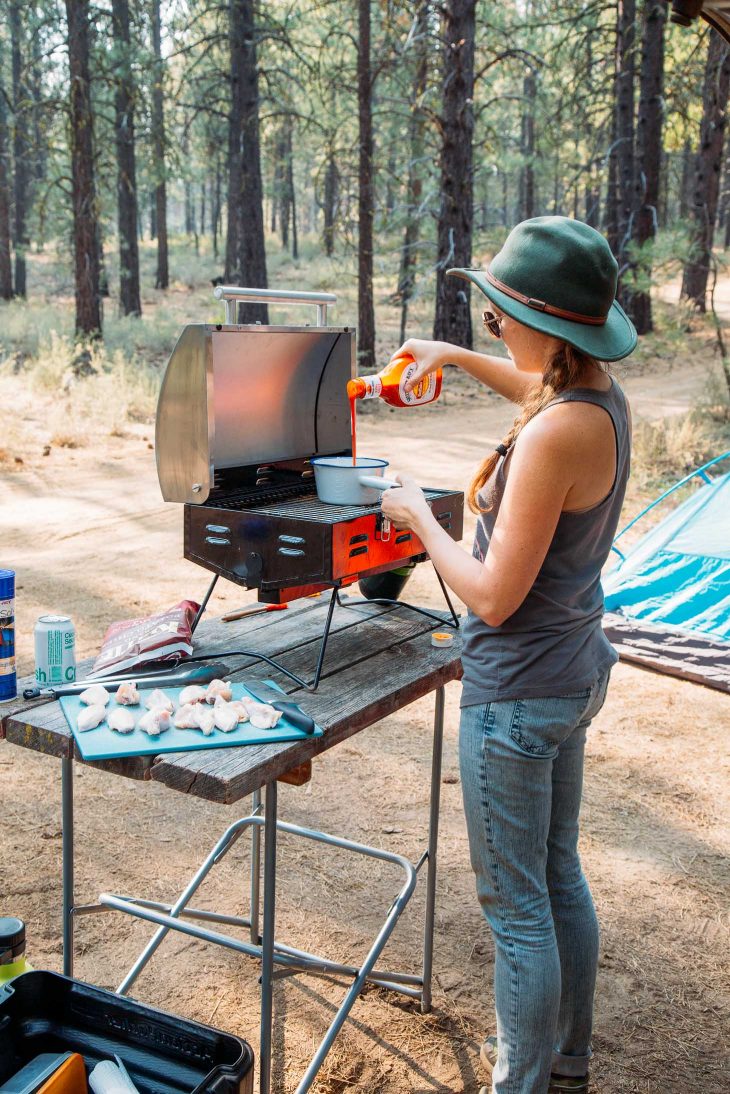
103	743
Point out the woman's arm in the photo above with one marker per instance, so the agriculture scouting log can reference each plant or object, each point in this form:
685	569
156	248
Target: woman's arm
497	373
540	475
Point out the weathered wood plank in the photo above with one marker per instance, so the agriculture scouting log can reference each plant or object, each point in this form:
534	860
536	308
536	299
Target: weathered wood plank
298	775
370	638
366	663
54	738
19	704
346	704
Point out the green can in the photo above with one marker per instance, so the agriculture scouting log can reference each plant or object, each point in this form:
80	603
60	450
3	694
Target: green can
55	650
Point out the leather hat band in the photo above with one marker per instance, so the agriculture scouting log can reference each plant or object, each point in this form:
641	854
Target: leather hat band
540	305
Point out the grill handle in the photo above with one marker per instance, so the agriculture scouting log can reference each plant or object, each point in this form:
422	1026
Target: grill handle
231	295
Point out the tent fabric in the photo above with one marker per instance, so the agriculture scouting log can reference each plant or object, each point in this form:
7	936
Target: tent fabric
668	600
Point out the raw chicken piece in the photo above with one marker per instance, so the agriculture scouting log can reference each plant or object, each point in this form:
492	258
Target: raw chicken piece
127	694
95	696
225	716
239	706
193	693
186	716
205	719
218	689
157	700
120	719
262	715
90	718
155	721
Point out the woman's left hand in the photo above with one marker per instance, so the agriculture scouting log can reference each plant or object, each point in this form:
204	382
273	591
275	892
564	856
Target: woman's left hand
406	505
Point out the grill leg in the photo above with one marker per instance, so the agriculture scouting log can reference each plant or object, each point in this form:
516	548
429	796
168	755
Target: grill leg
334	599
445	591
204	605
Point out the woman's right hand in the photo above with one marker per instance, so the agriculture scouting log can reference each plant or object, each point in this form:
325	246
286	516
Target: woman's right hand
428	356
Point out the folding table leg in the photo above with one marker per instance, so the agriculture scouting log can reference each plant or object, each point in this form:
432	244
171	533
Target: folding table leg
67	869
433	835
255	870
267	942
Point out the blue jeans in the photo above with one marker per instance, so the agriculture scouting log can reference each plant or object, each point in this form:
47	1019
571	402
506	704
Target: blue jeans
522	774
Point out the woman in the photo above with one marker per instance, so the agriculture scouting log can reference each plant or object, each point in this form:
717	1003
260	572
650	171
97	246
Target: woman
536	662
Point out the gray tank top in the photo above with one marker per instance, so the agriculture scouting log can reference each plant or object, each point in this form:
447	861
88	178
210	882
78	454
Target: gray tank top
553	644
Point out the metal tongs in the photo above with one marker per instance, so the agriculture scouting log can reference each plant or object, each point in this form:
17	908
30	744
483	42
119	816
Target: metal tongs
171	675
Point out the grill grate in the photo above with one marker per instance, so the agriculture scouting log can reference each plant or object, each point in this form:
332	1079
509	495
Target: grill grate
303	506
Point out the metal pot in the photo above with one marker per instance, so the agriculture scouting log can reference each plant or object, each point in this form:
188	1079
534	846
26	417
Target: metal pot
340	482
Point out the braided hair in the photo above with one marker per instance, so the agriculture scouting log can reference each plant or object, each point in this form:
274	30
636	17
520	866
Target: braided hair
564	369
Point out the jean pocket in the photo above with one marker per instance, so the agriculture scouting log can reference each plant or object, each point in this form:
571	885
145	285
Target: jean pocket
539	726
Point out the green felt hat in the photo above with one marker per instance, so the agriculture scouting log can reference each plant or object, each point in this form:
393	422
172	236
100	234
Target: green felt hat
558	276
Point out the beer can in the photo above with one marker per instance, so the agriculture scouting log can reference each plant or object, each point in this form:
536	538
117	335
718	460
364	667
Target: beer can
8	687
55	650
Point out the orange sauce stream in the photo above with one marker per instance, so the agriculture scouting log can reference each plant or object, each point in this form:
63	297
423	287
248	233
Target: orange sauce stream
353	427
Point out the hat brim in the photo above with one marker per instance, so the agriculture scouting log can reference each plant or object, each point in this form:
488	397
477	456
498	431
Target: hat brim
613	340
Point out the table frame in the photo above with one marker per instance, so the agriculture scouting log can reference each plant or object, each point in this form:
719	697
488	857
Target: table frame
263	946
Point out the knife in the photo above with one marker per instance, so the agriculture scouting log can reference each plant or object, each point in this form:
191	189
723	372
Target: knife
190	674
293	714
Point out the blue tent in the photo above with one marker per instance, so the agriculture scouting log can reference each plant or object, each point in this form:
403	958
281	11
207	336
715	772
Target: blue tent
668	599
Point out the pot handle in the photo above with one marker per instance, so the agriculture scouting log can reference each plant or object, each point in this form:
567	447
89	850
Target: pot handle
376	482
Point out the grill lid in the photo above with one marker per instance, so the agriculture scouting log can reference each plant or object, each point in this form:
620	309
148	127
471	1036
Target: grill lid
244	396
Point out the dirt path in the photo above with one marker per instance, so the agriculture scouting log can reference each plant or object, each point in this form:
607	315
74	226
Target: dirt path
91	537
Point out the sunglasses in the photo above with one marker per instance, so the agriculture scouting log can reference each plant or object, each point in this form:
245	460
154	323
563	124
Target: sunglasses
493	323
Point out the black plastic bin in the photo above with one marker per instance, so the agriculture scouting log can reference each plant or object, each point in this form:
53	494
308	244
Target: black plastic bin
164	1054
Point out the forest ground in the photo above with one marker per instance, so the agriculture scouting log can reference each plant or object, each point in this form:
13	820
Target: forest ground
85	525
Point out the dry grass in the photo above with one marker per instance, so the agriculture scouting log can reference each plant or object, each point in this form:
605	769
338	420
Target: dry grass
672	447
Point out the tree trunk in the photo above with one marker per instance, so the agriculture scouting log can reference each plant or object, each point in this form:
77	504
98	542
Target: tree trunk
6	266
331	198
648	156
416	138
452	321
124	95
366	195
216	205
707	171
724	202
290	190
624	105
611	203
282	185
245	204
231	272
86	225
527	148
685	185
20	146
162	276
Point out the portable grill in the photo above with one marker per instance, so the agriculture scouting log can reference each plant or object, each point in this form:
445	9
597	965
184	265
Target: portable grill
242	411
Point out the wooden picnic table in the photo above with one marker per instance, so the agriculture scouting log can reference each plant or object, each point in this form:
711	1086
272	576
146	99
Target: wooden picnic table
379	659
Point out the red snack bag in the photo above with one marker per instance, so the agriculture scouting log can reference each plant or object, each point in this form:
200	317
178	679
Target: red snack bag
165	636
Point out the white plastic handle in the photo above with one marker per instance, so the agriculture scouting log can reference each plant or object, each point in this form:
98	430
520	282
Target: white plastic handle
377	483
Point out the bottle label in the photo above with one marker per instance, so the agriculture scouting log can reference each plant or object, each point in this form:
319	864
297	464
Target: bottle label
373	387
423	392
7	650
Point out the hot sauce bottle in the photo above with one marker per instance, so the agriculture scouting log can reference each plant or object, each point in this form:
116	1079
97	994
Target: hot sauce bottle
390	384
